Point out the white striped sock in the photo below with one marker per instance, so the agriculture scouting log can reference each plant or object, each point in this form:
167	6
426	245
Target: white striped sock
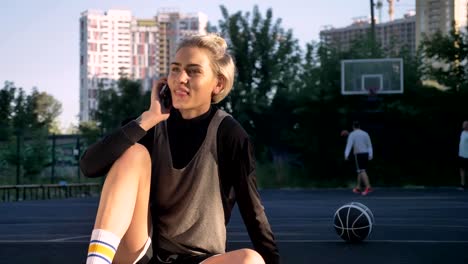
102	247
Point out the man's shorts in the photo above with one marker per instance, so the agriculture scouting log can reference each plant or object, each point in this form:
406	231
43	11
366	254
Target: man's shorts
463	163
360	161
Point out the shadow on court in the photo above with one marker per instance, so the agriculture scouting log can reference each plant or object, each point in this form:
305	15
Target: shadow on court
411	226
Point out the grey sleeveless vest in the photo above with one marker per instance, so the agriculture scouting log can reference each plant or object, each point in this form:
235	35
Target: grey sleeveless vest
188	200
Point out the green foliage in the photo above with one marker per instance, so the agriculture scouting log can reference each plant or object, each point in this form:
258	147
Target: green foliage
115	105
36	154
46	109
446	58
7	95
22	113
89	131
267	59
25	121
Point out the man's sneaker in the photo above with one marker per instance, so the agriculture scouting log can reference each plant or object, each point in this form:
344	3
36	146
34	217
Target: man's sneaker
356	190
367	191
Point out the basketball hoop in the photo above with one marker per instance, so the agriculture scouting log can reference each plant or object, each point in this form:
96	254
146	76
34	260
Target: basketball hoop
384	76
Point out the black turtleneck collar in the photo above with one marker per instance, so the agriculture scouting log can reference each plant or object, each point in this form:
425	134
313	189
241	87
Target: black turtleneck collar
187	135
177	116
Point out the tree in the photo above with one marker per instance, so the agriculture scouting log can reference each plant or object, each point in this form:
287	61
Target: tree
47	109
29	118
7	95
22	119
36	154
116	105
90	131
445	59
38	110
267	59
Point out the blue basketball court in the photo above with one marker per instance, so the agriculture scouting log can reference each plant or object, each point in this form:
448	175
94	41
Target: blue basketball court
411	226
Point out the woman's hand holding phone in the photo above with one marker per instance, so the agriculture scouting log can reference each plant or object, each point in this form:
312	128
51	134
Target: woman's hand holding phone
165	96
157	112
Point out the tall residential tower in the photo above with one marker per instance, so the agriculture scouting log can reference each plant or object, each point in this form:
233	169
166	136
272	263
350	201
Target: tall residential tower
438	15
105	53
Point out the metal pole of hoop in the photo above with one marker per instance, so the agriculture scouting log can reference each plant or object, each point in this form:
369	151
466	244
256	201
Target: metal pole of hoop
373	99
372	94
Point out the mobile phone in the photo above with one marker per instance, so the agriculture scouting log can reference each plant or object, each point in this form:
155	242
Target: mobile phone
165	96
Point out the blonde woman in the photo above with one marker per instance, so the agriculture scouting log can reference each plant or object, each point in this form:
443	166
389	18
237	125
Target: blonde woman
174	174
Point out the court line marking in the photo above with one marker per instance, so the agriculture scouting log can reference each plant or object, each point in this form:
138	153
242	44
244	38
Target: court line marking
45	224
368	241
376	225
280	241
68	238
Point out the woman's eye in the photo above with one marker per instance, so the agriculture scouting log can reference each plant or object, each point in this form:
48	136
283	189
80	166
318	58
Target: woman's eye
175	69
193	71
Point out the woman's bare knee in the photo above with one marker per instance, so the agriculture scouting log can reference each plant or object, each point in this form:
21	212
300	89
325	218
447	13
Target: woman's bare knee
252	257
134	159
136	154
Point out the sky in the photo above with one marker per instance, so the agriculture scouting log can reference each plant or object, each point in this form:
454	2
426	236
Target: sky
40	39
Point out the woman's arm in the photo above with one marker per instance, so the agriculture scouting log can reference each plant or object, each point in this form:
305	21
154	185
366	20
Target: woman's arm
99	157
238	159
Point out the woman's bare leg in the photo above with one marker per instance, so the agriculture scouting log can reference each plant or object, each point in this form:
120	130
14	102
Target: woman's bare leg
241	256
123	207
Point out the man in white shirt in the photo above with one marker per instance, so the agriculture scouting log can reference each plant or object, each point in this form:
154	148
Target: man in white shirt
360	142
463	154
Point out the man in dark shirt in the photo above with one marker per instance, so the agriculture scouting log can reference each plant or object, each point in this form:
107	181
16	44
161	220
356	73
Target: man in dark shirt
199	162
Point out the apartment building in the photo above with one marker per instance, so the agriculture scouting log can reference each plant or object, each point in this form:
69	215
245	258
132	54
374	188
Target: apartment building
115	44
438	15
145	44
395	34
105	53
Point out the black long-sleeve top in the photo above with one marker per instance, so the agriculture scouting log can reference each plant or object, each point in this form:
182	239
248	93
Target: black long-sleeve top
236	166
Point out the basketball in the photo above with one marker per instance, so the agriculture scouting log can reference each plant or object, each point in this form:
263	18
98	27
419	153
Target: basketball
353	222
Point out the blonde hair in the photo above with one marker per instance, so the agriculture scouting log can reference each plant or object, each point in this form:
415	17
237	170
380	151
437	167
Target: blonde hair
221	61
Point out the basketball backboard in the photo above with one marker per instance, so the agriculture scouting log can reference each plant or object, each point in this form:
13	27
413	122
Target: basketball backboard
372	76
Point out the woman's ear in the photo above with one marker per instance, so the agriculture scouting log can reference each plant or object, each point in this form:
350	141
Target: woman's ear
219	85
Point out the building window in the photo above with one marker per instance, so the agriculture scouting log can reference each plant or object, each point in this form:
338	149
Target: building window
141	49
92	23
194	25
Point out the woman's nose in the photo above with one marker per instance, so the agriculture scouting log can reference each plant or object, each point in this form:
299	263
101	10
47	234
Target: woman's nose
183	77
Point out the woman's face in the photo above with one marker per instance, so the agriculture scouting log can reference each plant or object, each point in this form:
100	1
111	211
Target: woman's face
192	82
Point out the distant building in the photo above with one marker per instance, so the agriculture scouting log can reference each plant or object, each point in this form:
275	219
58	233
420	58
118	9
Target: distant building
433	16
145	42
105	52
395	34
113	43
